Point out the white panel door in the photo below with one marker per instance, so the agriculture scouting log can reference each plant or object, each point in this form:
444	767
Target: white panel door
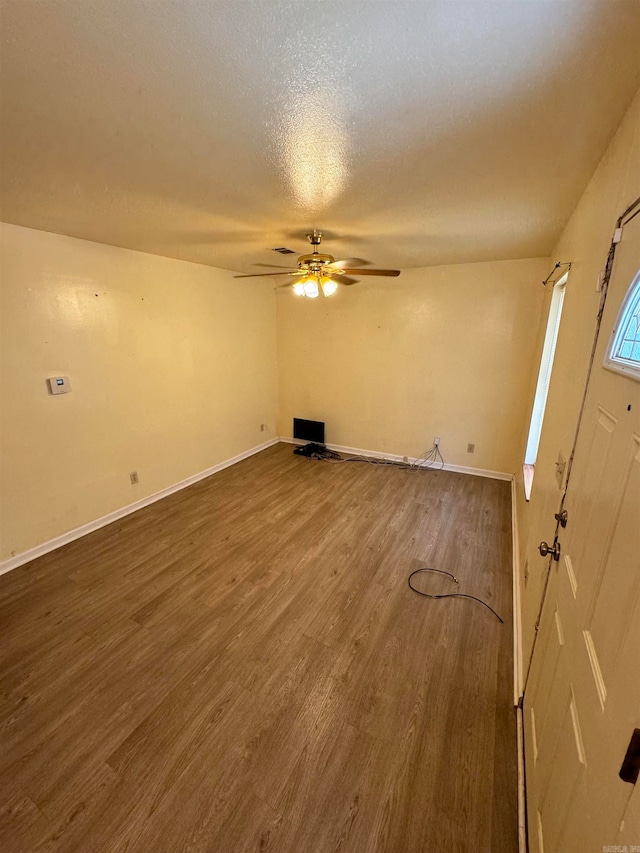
582	700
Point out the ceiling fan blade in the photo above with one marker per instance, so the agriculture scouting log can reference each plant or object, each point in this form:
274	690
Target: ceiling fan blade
259	274
352	263
371	272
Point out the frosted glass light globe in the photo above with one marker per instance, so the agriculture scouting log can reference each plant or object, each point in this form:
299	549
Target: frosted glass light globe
329	286
311	288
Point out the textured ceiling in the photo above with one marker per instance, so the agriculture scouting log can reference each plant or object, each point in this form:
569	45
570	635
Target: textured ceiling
415	133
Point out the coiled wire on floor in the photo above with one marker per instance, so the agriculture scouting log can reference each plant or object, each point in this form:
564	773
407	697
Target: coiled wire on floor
448	594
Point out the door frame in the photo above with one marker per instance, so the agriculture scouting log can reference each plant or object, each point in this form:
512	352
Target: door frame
630	213
522	670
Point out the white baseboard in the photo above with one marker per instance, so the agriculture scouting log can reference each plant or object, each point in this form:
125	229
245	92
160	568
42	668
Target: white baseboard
57	542
394	457
522	803
518	685
517	605
39	550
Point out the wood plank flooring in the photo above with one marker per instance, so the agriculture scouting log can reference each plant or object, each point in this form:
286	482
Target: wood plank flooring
242	667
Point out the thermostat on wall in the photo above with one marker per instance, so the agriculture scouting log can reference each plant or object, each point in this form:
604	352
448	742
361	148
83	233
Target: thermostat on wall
59	384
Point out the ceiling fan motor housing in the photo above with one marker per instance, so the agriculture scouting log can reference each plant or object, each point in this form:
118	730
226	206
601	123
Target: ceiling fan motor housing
314	260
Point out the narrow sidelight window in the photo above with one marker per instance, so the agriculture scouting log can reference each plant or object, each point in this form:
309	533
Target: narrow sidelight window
544	379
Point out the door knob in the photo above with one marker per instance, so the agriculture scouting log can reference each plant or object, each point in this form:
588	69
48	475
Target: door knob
554	550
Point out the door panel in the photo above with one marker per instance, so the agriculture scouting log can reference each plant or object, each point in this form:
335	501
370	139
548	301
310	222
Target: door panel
582	699
630	827
561	793
591	495
617	590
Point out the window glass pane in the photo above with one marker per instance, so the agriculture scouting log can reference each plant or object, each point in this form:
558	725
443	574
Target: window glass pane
629	346
623	353
544	376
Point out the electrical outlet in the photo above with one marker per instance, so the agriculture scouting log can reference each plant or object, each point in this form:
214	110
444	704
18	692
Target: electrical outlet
133	476
436	441
263	427
471	448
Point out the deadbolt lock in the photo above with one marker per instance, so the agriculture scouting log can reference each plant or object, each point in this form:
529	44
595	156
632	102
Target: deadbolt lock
562	517
554	550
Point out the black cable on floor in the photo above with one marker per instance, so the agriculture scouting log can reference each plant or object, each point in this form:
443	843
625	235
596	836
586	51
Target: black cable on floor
426	462
449	594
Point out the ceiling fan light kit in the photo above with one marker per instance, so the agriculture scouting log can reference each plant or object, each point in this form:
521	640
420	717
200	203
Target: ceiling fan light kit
322	272
329	286
313	284
310	287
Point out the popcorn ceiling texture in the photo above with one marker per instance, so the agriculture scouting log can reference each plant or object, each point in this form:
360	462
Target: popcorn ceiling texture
417	133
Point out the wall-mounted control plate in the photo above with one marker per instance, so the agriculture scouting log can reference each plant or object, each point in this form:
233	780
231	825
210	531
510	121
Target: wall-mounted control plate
59	384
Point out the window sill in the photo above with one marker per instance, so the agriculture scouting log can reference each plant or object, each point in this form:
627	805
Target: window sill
527	477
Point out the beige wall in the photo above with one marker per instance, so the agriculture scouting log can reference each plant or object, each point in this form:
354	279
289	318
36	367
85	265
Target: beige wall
389	364
172	368
585	242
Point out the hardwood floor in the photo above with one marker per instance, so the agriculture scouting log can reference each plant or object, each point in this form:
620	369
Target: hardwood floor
243	667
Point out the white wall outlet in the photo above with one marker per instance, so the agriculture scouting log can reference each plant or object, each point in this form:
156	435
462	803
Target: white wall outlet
133	476
263	427
471	448
436	441
59	384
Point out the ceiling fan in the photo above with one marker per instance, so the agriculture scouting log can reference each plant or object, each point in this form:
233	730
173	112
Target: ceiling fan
318	272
